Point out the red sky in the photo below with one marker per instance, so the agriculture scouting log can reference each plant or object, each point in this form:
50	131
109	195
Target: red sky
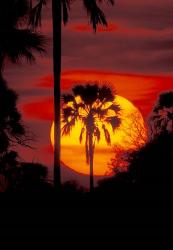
134	54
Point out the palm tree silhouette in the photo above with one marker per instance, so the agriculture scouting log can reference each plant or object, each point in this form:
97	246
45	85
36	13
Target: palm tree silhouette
161	120
95	107
17	42
60	12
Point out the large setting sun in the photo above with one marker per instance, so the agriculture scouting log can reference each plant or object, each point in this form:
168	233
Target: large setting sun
130	134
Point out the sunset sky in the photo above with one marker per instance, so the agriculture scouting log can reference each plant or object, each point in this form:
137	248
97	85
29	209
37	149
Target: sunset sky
134	54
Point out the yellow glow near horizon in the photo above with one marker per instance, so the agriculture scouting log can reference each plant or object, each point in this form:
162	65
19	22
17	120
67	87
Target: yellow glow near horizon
128	136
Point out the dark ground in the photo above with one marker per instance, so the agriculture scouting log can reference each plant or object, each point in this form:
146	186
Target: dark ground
42	222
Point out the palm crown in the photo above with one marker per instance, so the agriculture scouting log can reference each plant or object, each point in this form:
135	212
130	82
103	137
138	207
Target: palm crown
95	107
17	42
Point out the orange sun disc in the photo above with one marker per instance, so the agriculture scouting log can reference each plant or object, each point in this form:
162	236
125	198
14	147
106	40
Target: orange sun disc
131	134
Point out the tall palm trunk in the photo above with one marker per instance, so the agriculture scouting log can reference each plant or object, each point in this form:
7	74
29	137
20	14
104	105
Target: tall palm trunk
1	64
91	158
57	33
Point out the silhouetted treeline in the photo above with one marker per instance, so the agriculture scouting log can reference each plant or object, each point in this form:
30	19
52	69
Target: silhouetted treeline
150	169
150	172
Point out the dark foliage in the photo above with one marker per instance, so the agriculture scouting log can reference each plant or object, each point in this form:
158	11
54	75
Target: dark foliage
161	119
16	40
92	7
32	178
151	167
150	172
12	131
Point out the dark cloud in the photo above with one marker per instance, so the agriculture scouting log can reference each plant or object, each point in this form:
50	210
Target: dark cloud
122	51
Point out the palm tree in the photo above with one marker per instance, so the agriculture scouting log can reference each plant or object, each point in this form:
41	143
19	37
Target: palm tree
60	12
17	42
95	107
161	120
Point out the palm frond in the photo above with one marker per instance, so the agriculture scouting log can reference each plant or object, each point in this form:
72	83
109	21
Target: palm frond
95	13
67	98
107	134
87	149
66	9
97	133
36	14
114	121
21	43
12	12
115	107
106	94
81	135
66	129
67	113
101	113
88	93
78	90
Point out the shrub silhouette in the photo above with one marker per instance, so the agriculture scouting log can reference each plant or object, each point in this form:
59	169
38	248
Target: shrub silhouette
161	119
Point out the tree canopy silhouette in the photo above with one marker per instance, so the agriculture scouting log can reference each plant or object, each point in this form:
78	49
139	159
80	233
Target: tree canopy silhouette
150	170
96	108
32	177
16	40
149	174
12	132
161	120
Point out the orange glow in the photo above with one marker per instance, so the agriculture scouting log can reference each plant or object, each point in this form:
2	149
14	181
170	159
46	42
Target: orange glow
128	136
142	90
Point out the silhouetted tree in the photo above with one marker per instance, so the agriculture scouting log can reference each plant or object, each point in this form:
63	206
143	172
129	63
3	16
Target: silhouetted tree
149	174
17	41
9	166
151	167
60	13
32	177
161	120
96	108
120	162
12	132
134	137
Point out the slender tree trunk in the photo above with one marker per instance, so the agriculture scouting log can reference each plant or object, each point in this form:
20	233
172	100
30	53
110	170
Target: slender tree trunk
91	158
57	26
3	83
1	63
